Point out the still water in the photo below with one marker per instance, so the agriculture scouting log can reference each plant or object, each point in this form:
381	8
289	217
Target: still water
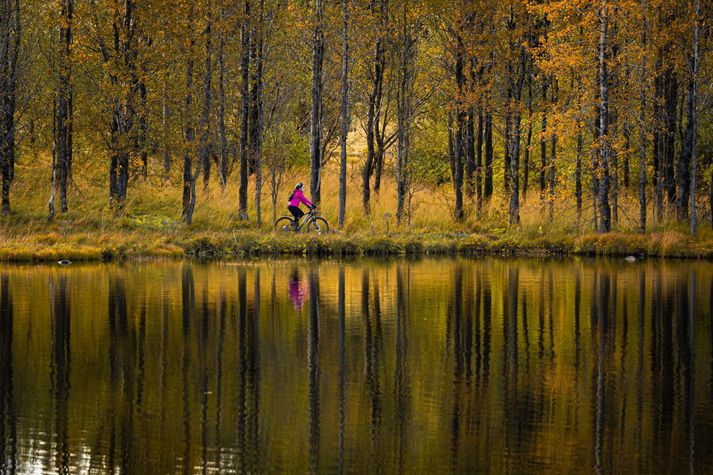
426	366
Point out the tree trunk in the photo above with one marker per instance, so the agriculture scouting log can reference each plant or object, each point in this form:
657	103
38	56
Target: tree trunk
642	125
221	103
374	150
528	143
488	186
316	123
515	172
404	114
256	126
245	97
658	177
460	129
345	115
693	114
64	98
614	159
552	171
671	108
451	144
627	152
543	142
507	156
470	154
603	172
578	173
165	112
143	128
204	158
187	212
479	163
10	35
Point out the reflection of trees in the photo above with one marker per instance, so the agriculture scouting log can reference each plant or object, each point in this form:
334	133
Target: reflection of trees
8	421
622	392
60	368
341	310
248	424
402	386
372	363
313	370
188	308
456	311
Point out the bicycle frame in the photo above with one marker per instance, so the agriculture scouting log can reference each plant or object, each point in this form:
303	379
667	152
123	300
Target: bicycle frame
306	219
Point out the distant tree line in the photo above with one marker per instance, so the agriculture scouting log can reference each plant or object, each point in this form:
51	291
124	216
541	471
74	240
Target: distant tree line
614	97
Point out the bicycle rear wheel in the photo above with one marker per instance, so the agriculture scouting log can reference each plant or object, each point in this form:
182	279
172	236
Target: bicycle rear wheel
284	225
318	226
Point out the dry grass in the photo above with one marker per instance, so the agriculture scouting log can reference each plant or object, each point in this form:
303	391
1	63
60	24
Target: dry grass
151	225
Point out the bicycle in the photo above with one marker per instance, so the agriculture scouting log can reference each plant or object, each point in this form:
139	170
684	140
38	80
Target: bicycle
311	222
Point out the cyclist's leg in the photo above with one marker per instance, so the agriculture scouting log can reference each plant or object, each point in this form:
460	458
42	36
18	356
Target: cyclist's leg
297	213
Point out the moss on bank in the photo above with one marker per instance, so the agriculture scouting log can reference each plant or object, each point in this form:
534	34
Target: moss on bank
99	246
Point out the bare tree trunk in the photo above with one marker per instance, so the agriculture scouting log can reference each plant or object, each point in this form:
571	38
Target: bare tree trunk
143	127
671	117
165	112
374	151
53	191
488	185
221	102
543	142
578	173
479	163
204	158
507	155
470	154
245	97
451	144
460	129
189	130
64	97
256	126
553	158
10	34
603	172
345	115
614	161
693	114
658	143
404	113
316	125
528	142
642	125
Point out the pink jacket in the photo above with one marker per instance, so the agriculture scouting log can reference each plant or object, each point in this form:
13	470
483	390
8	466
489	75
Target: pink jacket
297	198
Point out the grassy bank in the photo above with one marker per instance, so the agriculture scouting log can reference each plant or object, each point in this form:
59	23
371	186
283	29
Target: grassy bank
123	245
151	226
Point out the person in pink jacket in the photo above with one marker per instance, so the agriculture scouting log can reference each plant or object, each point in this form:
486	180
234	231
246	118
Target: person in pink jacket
293	203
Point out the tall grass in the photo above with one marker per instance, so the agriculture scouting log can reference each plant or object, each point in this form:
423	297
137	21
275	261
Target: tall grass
151	224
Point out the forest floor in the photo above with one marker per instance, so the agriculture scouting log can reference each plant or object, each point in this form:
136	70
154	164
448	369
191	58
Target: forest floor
151	225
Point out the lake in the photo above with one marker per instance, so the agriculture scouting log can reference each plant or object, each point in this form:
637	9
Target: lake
398	366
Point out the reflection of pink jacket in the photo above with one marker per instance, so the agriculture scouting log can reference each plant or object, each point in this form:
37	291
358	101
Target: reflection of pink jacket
296	294
297	198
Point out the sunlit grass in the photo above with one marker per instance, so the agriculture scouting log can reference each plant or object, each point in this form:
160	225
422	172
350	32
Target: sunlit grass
152	226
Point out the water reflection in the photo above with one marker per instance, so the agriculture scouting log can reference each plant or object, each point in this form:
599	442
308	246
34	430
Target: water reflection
8	421
429	366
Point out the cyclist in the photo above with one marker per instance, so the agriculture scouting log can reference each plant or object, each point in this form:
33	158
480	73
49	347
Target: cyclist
293	203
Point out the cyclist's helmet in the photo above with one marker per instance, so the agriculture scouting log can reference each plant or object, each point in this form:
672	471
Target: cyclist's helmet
299	186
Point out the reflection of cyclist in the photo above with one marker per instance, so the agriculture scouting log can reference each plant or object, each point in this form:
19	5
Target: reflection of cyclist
293	203
296	291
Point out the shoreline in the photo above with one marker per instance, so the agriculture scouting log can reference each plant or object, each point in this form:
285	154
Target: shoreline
107	247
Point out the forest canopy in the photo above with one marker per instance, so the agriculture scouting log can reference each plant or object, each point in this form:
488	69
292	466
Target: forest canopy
597	112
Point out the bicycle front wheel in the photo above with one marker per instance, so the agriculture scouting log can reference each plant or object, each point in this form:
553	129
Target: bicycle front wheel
318	226
284	225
